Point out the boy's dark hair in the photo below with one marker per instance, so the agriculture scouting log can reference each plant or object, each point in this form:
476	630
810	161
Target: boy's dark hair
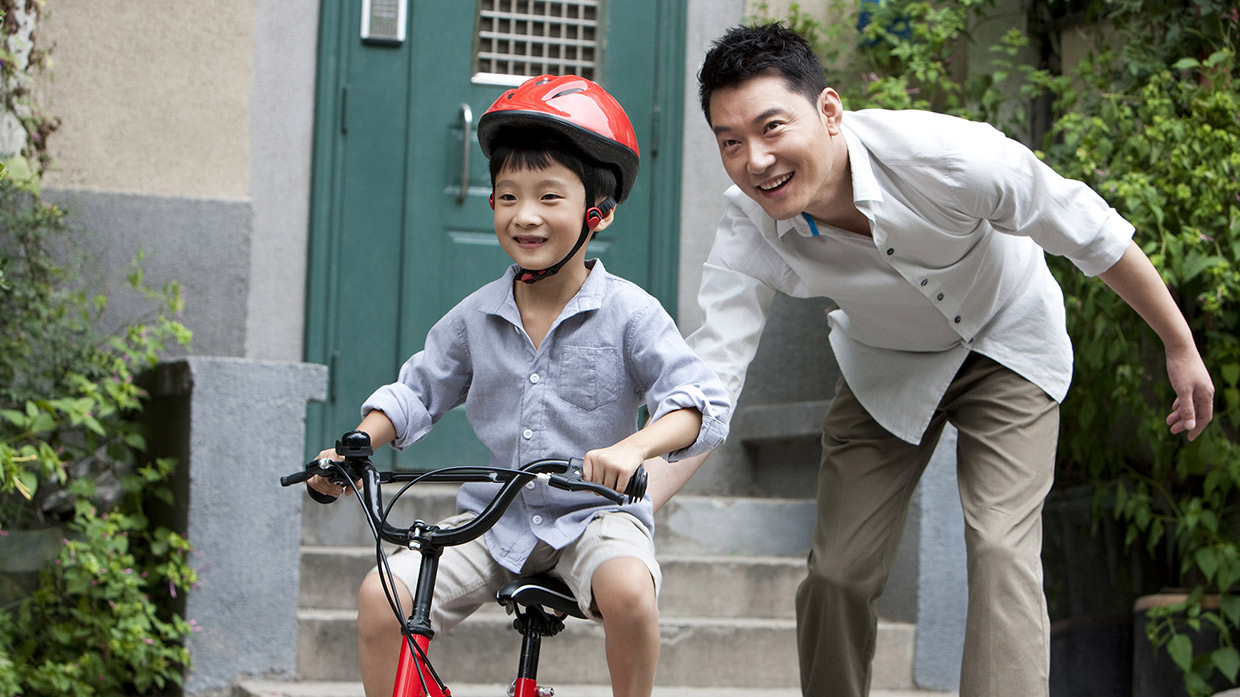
535	148
744	52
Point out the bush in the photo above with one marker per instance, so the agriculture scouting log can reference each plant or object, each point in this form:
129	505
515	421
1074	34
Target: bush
101	621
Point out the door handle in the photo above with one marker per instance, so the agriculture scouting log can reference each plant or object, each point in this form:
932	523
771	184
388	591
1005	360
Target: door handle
467	123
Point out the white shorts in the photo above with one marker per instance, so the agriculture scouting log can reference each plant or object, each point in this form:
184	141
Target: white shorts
469	577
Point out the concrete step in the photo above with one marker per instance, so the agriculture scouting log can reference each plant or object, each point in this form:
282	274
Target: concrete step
702	525
257	688
733	652
693	585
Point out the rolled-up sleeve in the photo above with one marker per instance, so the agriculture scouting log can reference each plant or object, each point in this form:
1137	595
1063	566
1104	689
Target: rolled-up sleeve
430	383
677	379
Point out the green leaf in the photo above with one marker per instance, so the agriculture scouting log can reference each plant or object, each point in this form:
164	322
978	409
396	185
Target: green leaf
1180	648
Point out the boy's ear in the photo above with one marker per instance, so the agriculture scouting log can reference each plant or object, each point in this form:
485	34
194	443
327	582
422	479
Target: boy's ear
605	220
491	200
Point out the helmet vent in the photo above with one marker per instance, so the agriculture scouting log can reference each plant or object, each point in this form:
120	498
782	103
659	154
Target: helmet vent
572	90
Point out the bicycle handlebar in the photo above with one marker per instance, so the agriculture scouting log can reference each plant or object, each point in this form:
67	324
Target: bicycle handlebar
355	447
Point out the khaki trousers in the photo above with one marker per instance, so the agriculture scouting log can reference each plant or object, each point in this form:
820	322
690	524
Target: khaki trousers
1005	455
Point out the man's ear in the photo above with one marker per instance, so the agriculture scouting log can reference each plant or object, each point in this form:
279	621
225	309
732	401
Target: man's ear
831	109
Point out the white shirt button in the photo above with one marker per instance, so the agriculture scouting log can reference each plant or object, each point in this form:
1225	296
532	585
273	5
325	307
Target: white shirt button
534	378
527	434
529	485
537	520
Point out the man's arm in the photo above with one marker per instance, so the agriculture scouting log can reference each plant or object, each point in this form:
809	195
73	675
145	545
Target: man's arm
664	479
1136	280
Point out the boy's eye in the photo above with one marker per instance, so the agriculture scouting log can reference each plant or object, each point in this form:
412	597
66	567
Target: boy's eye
551	197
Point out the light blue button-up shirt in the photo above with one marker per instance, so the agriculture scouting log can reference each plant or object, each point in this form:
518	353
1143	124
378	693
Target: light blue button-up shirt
959	217
612	350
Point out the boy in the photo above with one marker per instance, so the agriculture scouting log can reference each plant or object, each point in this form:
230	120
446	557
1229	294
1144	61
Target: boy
552	359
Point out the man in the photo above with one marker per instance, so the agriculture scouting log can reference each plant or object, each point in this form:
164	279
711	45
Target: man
928	232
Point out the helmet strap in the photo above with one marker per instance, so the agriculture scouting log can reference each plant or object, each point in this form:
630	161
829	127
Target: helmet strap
594	216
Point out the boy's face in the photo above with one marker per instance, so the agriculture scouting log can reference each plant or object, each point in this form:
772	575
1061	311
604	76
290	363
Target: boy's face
776	145
539	213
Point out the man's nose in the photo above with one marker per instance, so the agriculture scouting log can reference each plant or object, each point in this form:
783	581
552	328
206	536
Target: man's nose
759	158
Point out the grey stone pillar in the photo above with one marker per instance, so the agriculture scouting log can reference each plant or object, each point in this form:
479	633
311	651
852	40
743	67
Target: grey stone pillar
235	426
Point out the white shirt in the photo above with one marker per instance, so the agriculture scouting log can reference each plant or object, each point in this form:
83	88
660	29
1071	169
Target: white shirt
959	216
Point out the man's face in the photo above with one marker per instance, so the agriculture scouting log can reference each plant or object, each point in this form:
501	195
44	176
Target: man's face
776	145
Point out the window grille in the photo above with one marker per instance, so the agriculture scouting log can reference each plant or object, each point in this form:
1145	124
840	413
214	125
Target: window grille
517	39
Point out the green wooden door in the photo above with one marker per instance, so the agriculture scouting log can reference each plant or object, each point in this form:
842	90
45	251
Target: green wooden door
401	229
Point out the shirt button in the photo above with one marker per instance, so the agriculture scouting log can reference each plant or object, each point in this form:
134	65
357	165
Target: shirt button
527	434
957	320
890	251
940	296
534	378
537	520
924	281
530	485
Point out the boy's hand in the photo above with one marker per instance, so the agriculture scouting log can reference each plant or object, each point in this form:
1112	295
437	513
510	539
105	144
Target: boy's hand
612	467
321	484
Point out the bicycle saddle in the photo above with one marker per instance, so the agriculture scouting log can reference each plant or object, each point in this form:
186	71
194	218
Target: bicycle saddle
540	589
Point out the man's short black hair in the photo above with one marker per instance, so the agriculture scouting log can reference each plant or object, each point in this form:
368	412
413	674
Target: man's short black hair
526	148
744	52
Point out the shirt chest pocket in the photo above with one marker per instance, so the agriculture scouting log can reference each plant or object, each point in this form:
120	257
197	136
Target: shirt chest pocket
590	377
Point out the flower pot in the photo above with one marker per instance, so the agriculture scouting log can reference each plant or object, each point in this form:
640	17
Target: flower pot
1154	674
23	553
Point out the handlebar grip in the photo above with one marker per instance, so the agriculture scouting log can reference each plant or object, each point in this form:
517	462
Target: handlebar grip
295	478
636	489
312	468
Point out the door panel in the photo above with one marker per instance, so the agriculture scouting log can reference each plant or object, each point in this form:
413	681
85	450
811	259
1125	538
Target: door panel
396	239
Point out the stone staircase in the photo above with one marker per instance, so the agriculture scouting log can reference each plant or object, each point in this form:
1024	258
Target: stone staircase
730	564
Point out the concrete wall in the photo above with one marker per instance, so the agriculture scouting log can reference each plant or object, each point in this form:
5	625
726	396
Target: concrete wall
235	426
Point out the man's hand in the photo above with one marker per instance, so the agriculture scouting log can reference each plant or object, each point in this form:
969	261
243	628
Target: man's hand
1194	393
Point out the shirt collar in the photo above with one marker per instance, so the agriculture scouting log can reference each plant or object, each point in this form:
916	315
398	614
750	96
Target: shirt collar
498	299
865	185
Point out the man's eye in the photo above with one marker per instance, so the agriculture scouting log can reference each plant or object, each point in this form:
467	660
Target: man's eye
773	125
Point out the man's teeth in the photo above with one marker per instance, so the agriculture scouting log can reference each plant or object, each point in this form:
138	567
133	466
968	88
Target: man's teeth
782	180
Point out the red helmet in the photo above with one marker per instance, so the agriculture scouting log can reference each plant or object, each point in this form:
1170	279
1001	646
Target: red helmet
576	108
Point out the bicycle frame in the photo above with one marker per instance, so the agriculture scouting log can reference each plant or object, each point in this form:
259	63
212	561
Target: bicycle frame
415	676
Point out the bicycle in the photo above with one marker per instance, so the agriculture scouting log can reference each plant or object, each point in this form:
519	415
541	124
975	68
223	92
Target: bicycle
539	602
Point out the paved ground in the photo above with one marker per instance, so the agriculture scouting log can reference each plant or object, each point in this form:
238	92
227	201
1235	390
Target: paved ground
279	689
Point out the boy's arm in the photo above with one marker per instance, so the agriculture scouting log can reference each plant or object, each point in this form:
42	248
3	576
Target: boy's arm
1136	280
614	465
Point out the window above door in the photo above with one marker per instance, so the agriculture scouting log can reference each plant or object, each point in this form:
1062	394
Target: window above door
518	39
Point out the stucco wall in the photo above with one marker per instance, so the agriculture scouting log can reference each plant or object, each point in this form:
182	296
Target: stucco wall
153	96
